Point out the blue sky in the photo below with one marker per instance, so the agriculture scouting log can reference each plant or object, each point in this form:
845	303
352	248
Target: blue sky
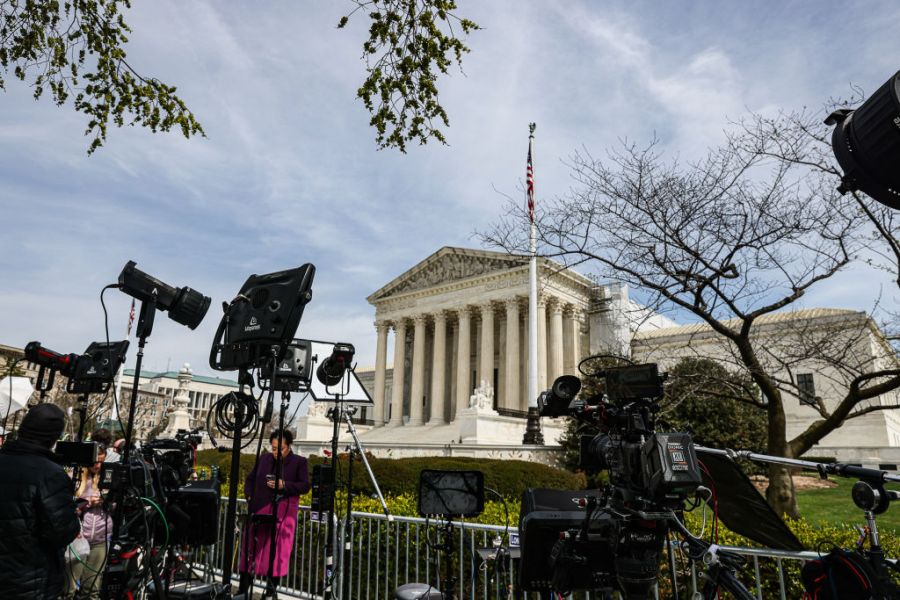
290	172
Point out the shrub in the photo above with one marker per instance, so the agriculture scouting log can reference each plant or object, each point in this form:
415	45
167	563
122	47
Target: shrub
508	477
400	476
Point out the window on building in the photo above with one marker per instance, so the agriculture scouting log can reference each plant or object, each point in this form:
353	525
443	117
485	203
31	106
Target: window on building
807	388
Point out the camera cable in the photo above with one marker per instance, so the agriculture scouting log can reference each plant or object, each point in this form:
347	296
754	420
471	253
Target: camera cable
502	552
221	414
715	499
113	387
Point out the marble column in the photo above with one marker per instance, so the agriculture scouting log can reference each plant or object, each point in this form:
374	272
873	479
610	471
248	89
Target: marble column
512	354
379	409
438	369
463	360
486	369
542	345
573	347
399	372
417	385
453	359
555	343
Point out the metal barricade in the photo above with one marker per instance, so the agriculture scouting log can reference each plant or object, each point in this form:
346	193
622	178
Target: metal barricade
384	554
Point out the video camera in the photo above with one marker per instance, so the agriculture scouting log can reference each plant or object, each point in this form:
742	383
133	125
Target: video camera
161	472
622	526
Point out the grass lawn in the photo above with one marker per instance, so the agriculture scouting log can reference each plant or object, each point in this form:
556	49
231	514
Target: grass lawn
833	506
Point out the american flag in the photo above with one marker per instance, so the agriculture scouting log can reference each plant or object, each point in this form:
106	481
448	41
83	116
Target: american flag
130	319
529	184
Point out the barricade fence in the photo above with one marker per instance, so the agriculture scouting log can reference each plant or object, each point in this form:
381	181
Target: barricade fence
384	554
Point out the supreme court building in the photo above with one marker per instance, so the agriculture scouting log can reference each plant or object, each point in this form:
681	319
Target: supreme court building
451	370
451	367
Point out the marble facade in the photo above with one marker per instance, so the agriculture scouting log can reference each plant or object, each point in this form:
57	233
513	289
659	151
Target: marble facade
457	322
451	365
451	368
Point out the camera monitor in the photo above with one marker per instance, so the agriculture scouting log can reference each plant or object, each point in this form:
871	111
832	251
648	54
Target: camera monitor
74	454
451	493
634	382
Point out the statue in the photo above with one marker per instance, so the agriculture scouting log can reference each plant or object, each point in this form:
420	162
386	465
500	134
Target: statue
483	398
317	410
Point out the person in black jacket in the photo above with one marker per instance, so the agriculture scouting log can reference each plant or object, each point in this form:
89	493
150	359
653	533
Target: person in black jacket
37	509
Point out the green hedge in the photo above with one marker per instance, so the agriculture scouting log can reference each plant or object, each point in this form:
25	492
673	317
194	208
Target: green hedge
508	477
400	476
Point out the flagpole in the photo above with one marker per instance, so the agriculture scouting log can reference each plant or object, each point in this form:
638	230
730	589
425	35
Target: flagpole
533	433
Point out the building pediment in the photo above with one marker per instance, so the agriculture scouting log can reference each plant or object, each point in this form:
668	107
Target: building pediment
446	265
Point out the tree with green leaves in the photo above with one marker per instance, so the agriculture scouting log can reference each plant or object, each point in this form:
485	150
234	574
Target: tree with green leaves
75	51
410	42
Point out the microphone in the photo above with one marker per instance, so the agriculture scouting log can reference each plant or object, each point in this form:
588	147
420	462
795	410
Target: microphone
331	370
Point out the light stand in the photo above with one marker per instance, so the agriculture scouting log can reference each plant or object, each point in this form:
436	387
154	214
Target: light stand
337	370
257	325
335	415
231	511
279	466
114	582
356	448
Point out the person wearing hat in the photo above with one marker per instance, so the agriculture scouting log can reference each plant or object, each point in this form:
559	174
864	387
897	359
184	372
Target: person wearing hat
37	510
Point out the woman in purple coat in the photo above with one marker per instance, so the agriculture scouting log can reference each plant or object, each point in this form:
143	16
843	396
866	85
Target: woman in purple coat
259	488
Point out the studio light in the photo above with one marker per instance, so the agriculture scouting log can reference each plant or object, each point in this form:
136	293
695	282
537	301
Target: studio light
331	370
184	305
866	143
55	361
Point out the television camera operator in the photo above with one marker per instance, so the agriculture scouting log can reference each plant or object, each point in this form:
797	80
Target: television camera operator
37	511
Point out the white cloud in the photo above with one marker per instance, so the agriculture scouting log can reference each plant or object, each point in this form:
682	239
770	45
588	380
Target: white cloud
290	174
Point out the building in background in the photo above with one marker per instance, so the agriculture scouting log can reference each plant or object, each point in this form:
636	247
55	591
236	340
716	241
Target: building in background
451	358
815	354
458	324
156	392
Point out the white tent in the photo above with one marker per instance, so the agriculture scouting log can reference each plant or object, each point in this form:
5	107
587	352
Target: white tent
14	394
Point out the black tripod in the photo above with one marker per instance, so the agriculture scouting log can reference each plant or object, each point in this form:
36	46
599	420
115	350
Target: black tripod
277	495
